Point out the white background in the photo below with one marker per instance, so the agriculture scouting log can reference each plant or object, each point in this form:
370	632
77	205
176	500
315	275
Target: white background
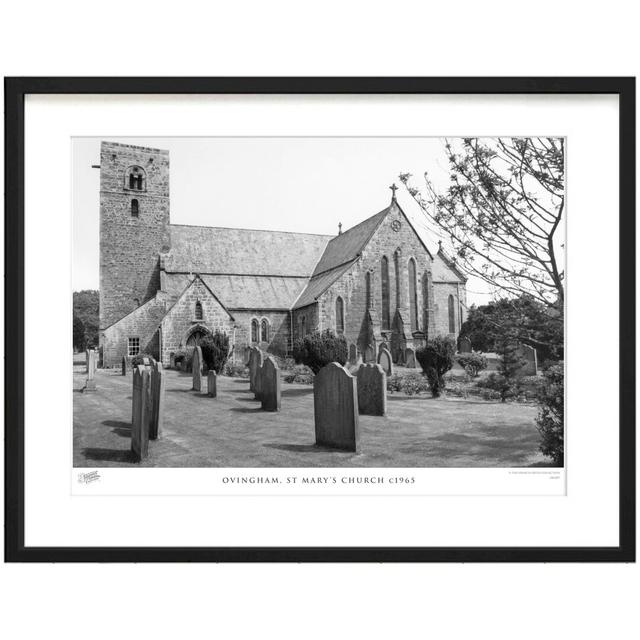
459	601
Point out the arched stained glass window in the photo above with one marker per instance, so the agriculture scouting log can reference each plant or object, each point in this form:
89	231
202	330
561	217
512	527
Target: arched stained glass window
452	315
368	292
339	315
386	302
413	295
264	330
255	330
198	315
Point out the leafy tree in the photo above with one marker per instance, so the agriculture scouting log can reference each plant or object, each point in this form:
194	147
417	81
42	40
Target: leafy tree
436	358
317	350
86	306
215	350
550	418
78	333
502	211
525	319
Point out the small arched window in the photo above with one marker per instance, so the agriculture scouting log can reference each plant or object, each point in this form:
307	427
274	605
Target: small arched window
339	315
136	301
452	315
303	326
264	330
198	315
135	208
255	330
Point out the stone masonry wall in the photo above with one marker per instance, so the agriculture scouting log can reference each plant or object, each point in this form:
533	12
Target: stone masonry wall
442	291
351	285
312	320
181	321
279	331
142	323
129	246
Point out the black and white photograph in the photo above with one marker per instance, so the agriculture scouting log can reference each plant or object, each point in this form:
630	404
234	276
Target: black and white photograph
326	302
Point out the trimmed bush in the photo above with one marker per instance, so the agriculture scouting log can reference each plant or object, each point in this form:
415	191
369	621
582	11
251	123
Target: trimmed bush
550	418
215	351
300	374
235	370
473	363
317	350
139	359
436	359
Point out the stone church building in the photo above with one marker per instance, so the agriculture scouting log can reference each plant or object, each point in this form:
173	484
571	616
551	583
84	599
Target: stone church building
164	286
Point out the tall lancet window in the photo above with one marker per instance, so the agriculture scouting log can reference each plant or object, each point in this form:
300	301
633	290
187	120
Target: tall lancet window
198	315
264	330
413	295
452	315
339	315
368	291
255	330
396	264
386	297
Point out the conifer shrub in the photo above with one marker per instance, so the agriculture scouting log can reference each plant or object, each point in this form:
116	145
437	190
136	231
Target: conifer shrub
316	350
436	358
215	351
550	418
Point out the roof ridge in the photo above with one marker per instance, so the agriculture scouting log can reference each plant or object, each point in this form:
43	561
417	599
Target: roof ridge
298	233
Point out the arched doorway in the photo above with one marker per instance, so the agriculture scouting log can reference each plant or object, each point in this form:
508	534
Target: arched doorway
196	336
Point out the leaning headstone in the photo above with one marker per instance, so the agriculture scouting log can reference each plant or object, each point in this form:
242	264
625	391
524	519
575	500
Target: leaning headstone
257	363
530	357
157	384
90	385
141	413
172	360
384	359
270	385
372	390
124	365
410	358
464	345
196	367
212	384
335	405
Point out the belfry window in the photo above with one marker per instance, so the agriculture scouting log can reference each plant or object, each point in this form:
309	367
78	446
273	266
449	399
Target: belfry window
198	315
135	178
339	315
255	330
264	330
135	208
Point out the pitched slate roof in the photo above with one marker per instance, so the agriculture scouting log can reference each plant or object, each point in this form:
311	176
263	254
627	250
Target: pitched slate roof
347	246
218	250
319	284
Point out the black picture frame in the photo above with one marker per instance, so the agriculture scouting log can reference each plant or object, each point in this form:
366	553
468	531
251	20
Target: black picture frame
15	91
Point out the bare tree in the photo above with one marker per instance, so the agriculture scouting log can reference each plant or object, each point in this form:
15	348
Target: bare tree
501	212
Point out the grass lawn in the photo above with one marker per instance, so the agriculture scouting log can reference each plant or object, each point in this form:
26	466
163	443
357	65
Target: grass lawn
232	431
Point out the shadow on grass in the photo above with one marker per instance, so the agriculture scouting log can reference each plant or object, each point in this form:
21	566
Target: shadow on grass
119	428
242	399
100	454
305	448
247	410
297	392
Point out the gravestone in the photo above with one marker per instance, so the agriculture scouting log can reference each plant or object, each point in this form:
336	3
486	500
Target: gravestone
464	345
196	368
370	354
335	406
410	358
124	365
172	360
255	362
141	413
353	353
254	371
352	367
212	386
90	385
372	390
270	385
157	384
530	357
384	360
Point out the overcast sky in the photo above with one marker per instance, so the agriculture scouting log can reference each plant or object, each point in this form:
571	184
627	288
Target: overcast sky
289	184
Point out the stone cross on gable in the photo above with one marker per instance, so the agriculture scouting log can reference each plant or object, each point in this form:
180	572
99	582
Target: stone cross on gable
393	190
